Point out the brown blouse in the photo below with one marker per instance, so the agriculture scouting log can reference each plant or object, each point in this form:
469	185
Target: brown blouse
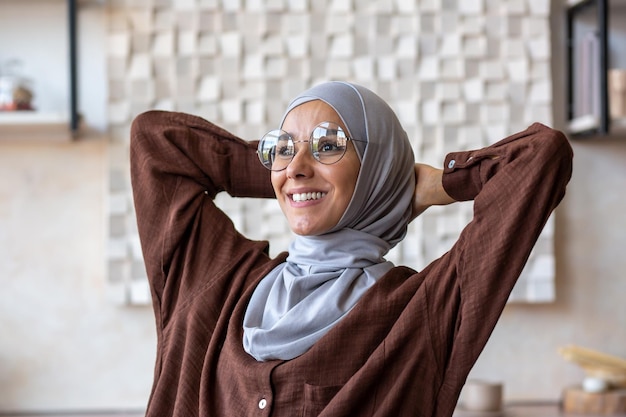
404	350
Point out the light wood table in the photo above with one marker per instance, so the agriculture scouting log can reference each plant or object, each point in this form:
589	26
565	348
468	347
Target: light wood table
530	410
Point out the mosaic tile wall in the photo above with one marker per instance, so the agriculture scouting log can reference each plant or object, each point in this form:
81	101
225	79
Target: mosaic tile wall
460	75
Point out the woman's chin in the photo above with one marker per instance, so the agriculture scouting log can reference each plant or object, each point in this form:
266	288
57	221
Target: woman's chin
308	230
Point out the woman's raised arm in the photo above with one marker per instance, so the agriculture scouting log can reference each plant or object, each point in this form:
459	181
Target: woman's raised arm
179	162
515	185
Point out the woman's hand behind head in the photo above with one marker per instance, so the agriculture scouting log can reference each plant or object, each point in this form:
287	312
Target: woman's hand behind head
429	189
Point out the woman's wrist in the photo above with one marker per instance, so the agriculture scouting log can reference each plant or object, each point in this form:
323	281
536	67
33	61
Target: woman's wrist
429	189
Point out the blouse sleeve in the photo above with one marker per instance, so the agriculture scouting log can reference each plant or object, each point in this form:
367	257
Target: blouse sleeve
515	184
179	162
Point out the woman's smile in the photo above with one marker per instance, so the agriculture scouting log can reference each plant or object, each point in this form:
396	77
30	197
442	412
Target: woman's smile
307	196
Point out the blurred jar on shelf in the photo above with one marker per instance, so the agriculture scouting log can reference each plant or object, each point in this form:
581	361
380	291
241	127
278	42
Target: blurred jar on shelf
15	90
617	93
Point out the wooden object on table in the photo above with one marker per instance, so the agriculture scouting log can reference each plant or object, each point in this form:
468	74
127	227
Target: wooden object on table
597	364
612	402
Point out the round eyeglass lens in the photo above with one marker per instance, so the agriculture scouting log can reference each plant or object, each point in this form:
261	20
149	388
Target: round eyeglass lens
276	150
328	143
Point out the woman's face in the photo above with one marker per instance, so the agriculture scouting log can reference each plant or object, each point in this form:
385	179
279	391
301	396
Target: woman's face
323	192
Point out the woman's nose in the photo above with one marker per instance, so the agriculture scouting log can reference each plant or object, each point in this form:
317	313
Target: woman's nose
302	164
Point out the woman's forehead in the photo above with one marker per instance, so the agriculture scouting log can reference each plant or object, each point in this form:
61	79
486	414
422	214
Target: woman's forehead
306	116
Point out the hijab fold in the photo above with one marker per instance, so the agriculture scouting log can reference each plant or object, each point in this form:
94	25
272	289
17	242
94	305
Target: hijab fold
324	276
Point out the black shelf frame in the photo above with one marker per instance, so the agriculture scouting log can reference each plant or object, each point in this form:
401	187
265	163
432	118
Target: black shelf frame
602	30
72	13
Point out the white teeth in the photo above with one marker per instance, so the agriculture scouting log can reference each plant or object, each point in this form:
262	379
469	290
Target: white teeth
308	196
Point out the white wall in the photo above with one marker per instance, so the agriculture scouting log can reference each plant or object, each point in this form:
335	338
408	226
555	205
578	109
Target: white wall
92	85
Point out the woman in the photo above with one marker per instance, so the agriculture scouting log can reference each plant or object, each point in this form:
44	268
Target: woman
329	328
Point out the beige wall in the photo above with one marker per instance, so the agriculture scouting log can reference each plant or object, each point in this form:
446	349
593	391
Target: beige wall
590	284
64	345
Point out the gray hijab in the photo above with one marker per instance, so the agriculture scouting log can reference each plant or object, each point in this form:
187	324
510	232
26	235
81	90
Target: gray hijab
324	276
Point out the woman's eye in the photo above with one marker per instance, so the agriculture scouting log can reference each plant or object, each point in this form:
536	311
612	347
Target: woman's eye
329	145
284	150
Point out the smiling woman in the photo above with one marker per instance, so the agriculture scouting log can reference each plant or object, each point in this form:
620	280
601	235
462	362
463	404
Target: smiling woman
323	289
330	328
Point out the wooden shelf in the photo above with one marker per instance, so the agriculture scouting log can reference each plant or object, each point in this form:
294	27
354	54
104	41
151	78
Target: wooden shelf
34	126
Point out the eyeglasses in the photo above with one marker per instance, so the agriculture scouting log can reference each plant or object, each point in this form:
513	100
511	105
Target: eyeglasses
328	143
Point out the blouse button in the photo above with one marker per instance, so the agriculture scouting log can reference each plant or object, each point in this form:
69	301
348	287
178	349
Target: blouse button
262	403
451	163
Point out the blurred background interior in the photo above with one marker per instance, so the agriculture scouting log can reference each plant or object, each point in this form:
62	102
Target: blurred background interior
76	325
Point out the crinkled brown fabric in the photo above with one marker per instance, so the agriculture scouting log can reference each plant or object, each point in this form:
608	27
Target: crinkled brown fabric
404	350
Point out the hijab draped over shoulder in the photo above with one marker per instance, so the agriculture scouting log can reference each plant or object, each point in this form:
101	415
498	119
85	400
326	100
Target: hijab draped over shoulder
324	276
